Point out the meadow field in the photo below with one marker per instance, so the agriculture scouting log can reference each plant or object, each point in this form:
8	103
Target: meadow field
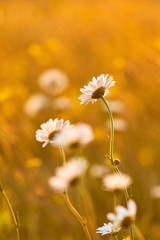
49	50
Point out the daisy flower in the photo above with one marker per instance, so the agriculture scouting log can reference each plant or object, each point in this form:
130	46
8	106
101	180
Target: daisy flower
107	229
80	135
116	182
69	174
50	130
35	104
98	170
61	103
53	81
96	88
155	191
124	216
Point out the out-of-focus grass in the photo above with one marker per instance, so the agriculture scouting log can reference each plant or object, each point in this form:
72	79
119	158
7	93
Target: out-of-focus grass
84	39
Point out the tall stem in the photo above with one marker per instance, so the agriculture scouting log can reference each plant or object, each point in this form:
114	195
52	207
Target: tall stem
81	220
124	188
131	232
11	211
115	237
62	154
115	201
112	129
111	157
78	216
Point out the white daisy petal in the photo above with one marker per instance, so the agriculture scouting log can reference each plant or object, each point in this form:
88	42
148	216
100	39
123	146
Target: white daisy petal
50	130
124	216
67	175
132	207
114	181
107	229
96	89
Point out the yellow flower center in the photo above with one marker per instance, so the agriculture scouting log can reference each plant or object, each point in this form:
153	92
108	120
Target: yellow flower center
98	93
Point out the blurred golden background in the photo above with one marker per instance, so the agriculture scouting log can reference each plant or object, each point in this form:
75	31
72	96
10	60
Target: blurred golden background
78	39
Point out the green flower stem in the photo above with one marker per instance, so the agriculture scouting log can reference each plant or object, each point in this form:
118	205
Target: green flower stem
81	220
138	233
115	201
11	211
131	232
112	130
124	188
115	237
112	160
62	154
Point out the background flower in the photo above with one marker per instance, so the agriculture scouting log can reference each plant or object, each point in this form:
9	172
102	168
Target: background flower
53	81
107	229
69	174
50	130
124	216
82	39
116	181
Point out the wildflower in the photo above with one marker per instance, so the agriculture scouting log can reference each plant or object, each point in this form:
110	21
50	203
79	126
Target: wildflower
98	171
96	89
53	81
120	125
116	182
124	216
80	135
155	191
61	103
50	130
107	229
35	104
69	174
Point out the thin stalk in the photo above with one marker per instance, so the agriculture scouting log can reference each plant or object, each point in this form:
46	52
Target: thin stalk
62	154
82	221
124	188
78	216
115	201
11	212
138	233
111	156
131	232
115	237
112	129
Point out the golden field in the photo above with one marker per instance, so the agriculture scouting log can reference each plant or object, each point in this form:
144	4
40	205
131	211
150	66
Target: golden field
82	38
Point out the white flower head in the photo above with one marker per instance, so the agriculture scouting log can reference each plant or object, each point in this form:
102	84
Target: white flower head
80	135
116	181
61	103
50	130
35	104
68	175
124	216
98	170
96	88
53	81
107	229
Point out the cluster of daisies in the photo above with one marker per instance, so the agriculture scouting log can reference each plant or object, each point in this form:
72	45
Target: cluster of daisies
52	84
62	133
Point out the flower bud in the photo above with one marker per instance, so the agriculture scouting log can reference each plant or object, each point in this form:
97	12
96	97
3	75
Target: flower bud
116	162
